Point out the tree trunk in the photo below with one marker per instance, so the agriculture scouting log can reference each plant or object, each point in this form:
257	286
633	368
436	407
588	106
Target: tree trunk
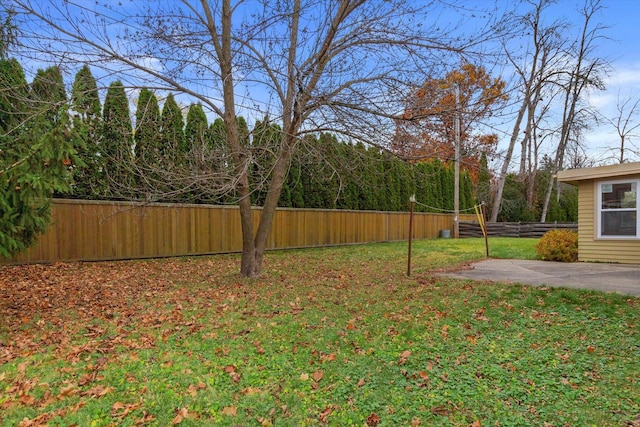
252	258
547	199
497	200
278	178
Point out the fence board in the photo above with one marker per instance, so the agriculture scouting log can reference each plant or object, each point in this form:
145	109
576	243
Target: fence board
513	229
100	230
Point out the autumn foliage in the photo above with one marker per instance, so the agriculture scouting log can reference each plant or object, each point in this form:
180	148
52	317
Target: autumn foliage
426	129
558	245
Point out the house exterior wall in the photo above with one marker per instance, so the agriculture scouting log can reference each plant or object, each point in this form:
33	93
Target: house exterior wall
595	249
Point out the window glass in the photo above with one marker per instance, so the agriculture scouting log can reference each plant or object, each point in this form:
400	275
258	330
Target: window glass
622	223
619	209
616	196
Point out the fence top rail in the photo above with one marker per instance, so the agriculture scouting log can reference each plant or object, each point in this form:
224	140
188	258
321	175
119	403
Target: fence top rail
235	207
542	224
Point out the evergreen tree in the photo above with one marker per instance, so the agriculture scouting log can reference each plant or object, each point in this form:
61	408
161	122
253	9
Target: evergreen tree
375	170
514	203
292	192
467	199
195	133
36	151
220	158
265	136
48	95
350	190
330	169
171	132
217	135
147	134
48	109
568	204
364	177
118	140
13	96
89	181
394	182
426	187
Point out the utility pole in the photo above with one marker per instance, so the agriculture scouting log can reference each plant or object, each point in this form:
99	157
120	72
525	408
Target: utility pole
456	168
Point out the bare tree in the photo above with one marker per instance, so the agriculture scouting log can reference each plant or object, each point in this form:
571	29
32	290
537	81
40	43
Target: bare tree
340	66
626	126
536	72
586	72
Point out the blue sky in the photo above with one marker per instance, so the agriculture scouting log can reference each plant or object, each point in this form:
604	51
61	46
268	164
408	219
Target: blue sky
622	49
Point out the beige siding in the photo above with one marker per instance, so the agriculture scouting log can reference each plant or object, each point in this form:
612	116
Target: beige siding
591	248
94	230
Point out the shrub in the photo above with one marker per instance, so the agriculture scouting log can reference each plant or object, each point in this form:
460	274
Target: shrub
558	245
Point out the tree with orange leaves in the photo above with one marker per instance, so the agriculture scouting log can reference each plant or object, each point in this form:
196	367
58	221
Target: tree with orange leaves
426	129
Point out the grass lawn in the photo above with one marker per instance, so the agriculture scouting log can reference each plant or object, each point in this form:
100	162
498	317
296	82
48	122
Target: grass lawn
334	336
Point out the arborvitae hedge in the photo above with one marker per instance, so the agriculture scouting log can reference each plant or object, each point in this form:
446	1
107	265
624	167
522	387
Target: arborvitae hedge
324	173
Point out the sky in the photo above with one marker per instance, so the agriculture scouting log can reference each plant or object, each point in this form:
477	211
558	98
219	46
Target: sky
622	50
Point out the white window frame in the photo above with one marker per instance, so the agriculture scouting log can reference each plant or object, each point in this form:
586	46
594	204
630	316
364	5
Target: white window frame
600	210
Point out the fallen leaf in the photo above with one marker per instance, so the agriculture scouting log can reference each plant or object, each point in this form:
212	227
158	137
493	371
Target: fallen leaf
444	331
250	391
373	420
361	382
27	399
317	376
69	390
145	419
192	390
182	414
440	410
304	377
126	409
328	357
324	414
403	357
479	315
230	411
85	379
98	391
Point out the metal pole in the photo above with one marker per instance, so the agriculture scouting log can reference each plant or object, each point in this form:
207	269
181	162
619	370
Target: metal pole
412	199
483	212
456	166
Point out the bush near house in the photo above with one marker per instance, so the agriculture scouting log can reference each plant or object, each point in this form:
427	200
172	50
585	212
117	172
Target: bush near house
558	245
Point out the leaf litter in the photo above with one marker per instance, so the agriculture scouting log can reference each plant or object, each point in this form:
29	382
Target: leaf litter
352	344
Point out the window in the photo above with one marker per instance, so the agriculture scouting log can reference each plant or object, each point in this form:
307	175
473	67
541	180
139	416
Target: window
618	208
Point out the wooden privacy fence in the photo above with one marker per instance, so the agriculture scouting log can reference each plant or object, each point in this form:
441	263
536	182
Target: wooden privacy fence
513	229
99	230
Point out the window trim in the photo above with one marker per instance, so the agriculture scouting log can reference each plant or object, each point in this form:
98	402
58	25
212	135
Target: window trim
599	210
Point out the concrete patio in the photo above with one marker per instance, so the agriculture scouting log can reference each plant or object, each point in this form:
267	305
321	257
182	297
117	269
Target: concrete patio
621	278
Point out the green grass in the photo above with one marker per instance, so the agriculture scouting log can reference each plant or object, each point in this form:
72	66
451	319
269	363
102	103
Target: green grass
332	336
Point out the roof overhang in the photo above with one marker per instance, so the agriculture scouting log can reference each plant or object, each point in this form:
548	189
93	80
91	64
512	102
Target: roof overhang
574	176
